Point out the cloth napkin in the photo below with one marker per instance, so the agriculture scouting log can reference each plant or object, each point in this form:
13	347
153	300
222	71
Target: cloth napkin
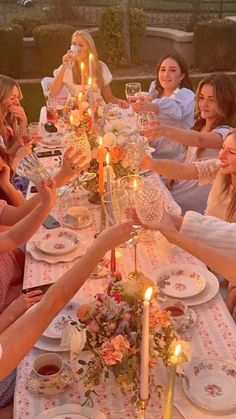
189	411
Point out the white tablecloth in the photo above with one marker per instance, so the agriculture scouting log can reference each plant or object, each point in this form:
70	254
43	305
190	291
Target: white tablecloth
214	334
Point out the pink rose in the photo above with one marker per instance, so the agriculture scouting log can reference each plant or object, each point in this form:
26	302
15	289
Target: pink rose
83	313
120	343
93	327
109	355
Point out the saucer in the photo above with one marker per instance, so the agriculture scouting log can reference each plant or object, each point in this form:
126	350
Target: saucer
57	385
188	322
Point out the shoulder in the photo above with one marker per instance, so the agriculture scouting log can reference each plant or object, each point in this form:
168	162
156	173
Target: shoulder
184	93
107	76
223	130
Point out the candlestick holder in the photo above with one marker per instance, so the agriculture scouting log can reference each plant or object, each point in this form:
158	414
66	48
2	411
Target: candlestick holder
143	408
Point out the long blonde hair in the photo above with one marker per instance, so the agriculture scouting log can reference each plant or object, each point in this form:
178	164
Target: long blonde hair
97	68
6	86
228	180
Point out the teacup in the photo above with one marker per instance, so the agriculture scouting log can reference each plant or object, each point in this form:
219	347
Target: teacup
78	216
177	309
47	367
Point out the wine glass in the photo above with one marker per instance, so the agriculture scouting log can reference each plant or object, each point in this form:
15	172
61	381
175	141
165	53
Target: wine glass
132	90
31	168
114	203
135	151
146	121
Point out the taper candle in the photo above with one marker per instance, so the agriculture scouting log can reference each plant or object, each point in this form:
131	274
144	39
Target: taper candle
82	79
100	166
144	376
171	383
91	65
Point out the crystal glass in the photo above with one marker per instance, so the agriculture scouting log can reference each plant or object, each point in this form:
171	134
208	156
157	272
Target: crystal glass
149	206
146	121
74	50
36	131
114	203
31	168
132	90
135	151
131	184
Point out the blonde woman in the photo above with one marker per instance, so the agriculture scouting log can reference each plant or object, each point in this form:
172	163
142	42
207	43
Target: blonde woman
69	73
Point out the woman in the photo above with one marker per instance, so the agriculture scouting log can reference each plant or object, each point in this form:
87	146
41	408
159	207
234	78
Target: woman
173	105
12	303
69	73
216	106
13	120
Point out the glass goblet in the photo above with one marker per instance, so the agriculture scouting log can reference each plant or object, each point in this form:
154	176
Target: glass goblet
146	121
115	203
132	91
31	168
149	206
135	151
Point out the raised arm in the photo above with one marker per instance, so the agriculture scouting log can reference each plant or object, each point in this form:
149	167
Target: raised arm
54	300
170	168
188	137
24	229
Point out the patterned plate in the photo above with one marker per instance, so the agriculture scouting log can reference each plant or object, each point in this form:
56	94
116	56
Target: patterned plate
54	330
71	411
181	281
57	242
211	384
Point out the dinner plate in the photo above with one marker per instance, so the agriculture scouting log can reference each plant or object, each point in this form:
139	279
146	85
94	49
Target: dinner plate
182	281
51	259
211	384
71	411
54	330
50	345
57	242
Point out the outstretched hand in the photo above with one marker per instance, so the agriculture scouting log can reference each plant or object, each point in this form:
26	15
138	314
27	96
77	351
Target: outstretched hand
73	163
113	236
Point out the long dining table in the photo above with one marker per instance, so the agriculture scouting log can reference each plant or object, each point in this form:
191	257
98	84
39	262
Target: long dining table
213	335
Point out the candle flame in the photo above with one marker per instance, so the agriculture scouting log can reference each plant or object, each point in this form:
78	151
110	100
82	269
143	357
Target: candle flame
89	81
148	294
71	118
80	96
90	56
135	184
107	158
82	66
89	112
100	140
177	349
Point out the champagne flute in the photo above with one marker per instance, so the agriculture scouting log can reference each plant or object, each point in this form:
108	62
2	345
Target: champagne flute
132	91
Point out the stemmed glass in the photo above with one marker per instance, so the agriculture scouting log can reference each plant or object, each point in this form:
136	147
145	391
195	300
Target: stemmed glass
132	90
149	206
135	151
146	121
31	168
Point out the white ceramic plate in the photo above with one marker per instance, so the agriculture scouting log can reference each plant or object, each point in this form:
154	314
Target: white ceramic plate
69	257
57	242
49	345
211	384
54	330
182	280
72	411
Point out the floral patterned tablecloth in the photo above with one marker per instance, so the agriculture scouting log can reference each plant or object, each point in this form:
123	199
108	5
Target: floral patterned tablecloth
214	334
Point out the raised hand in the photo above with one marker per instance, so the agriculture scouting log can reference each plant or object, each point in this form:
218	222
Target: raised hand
73	163
47	191
113	236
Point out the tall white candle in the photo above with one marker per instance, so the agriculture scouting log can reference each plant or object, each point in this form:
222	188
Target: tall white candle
108	173
144	376
91	65
171	383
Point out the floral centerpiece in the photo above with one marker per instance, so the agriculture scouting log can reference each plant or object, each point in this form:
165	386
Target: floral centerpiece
113	323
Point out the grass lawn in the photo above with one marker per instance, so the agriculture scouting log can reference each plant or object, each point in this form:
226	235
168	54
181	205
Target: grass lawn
34	100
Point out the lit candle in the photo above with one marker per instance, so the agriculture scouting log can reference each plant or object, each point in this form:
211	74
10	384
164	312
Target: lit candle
144	376
80	106
91	65
100	166
90	98
82	78
108	173
89	119
71	118
171	383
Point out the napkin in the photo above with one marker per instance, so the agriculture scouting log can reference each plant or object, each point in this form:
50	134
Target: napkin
73	338
189	411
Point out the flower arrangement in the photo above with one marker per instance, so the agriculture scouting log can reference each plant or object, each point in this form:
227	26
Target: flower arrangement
113	324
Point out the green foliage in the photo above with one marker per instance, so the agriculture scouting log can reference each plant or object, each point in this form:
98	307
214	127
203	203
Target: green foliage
28	20
52	42
214	45
11	49
111	33
59	10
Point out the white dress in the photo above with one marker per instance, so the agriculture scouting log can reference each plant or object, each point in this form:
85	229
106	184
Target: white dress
76	88
189	194
175	110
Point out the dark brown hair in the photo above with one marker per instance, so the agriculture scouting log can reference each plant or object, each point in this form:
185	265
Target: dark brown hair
185	82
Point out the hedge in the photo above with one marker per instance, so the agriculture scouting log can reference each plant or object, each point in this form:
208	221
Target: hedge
11	49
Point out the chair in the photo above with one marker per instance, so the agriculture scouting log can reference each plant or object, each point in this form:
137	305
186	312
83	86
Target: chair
46	81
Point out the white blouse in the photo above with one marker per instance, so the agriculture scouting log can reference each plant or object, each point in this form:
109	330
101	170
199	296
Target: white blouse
76	88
